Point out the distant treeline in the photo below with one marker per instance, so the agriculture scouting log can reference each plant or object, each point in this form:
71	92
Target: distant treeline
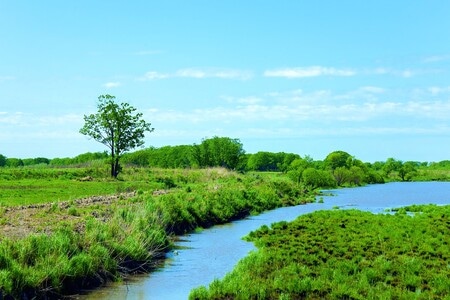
339	168
81	159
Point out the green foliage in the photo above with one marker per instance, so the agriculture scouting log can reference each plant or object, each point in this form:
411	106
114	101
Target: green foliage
344	254
225	196
337	159
73	211
297	166
30	185
117	126
164	157
14	162
445	164
317	178
392	165
268	161
218	152
84	159
3	160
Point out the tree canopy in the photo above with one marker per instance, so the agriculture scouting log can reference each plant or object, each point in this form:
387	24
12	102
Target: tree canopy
218	151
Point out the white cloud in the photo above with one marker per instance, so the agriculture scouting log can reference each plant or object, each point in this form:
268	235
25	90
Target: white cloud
152	75
406	73
243	100
313	71
199	73
436	58
192	73
232	74
110	85
298	97
35	121
435	90
11	119
7	78
372	89
365	104
213	73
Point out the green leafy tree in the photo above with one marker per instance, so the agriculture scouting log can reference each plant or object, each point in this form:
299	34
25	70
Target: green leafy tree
318	178
2	160
357	175
341	175
337	159
297	166
41	161
262	161
14	162
407	171
117	126
288	158
392	165
218	152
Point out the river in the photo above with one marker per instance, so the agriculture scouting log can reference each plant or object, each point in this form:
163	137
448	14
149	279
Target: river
214	252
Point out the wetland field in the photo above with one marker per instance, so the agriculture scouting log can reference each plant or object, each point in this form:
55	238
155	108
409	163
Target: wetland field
60	237
67	230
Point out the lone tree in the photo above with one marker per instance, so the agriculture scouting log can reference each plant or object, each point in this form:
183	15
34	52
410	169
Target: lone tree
117	126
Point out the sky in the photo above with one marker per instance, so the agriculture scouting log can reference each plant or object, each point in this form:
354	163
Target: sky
371	78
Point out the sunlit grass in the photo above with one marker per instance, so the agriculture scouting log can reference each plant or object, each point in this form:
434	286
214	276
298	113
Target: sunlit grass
23	186
344	254
51	250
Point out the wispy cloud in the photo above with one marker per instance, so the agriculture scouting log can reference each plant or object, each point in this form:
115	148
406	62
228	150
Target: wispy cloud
364	104
436	58
11	118
436	90
200	73
214	73
405	73
313	71
347	112
243	100
32	120
152	75
110	85
7	78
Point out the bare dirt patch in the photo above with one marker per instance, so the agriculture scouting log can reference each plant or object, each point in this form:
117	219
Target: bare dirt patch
20	221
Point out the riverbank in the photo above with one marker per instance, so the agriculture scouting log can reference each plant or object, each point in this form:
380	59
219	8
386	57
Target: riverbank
58	249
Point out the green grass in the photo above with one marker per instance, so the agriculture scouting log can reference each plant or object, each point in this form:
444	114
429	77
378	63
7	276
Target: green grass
55	249
344	254
25	186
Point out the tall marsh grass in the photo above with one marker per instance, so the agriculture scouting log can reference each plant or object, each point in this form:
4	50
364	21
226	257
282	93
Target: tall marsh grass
105	242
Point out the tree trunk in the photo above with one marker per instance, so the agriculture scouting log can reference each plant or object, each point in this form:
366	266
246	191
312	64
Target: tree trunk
113	168
113	163
116	167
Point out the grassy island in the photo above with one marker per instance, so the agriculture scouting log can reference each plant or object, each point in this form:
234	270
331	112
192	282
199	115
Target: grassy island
345	254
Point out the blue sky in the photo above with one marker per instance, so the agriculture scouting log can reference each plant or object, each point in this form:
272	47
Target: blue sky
368	77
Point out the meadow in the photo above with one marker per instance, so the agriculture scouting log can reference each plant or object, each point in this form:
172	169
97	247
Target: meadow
345	254
69	229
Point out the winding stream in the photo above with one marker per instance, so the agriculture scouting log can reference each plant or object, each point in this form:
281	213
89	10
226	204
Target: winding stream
214	252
